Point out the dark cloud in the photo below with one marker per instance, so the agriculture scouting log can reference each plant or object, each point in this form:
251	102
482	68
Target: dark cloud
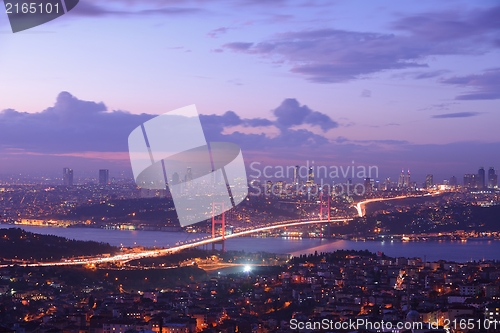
214	125
486	85
291	113
429	75
258	122
97	10
332	55
456	115
86	136
419	75
216	32
288	114
70	125
74	126
238	46
452	24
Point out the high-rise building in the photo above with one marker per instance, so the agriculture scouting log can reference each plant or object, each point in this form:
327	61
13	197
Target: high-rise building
310	178
388	184
189	174
68	177
429	181
401	179
368	186
404	180
453	181
296	175
481	178
469	180
103	176
492	178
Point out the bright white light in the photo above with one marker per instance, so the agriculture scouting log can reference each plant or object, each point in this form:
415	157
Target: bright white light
247	269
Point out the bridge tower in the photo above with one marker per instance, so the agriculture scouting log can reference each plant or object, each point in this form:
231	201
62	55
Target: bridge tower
321	206
321	210
222	221
328	197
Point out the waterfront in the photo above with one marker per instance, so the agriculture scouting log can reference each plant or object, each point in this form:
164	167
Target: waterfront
430	250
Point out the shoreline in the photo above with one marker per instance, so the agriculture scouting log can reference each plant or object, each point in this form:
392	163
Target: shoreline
379	238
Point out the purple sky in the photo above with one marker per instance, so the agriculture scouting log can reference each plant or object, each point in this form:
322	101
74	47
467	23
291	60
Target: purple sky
393	84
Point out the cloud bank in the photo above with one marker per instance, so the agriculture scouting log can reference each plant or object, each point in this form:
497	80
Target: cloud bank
456	115
74	125
77	131
485	86
334	55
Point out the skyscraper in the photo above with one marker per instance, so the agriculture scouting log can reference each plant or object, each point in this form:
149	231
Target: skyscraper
429	181
68	177
103	176
453	181
468	180
388	184
189	174
401	179
481	177
407	179
368	186
310	178
492	178
296	175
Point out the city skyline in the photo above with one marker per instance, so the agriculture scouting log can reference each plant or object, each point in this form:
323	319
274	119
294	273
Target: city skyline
385	85
295	177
